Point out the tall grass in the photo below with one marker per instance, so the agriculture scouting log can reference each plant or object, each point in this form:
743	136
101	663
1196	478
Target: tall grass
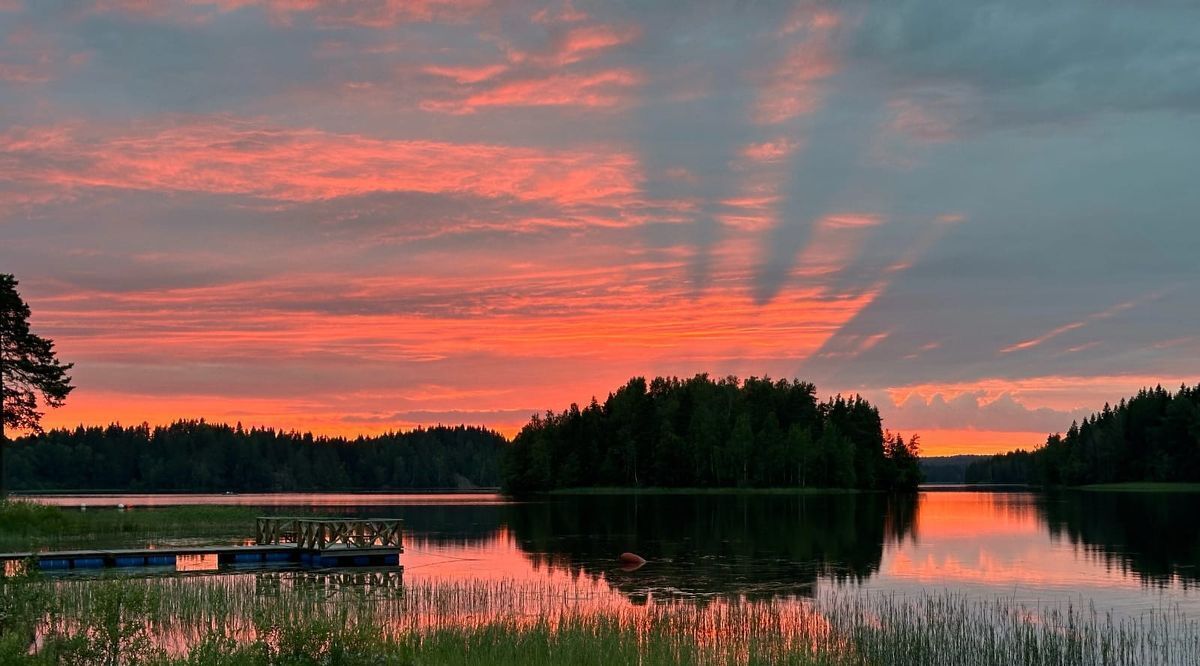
303	618
32	526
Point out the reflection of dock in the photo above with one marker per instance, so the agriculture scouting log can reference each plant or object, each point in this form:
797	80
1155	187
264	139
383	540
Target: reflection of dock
315	542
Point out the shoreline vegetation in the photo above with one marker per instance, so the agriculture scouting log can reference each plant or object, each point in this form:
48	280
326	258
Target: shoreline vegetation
711	433
296	618
1153	437
26	526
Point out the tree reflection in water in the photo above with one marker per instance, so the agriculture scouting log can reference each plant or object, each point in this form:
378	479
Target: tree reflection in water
1154	536
756	546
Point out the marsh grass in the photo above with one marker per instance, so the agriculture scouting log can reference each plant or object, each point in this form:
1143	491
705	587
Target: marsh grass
305	618
31	526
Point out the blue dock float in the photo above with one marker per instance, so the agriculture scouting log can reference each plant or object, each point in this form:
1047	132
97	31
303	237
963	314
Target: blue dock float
247	558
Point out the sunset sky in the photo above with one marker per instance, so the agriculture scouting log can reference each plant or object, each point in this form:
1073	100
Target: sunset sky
353	217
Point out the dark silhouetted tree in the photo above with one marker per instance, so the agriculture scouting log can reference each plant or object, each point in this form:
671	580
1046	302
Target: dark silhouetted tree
29	369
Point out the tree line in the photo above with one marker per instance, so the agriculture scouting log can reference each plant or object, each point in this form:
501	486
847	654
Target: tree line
1153	436
705	433
200	456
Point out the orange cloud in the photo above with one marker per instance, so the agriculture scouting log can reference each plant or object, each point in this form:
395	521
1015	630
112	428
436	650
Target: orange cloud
1054	391
603	89
222	155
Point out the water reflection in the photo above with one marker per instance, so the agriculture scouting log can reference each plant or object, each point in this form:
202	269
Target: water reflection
201	562
15	567
757	546
1125	551
269	499
1153	536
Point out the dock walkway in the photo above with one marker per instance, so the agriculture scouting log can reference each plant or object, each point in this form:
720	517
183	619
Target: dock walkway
317	542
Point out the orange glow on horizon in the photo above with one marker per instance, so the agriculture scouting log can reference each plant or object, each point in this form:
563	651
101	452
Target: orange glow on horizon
948	442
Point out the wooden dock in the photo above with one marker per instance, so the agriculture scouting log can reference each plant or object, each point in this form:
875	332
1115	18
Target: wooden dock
314	542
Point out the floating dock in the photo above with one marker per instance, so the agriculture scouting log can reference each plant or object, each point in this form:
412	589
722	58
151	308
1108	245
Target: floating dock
314	542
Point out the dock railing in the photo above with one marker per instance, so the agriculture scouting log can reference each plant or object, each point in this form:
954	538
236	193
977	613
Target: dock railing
319	534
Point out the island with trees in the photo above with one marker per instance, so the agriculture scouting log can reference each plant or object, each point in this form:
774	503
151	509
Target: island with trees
706	433
1151	437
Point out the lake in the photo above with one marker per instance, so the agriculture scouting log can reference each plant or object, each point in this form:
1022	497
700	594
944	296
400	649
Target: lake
1124	552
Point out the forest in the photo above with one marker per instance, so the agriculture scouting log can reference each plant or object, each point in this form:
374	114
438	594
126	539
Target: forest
705	433
1153	436
200	456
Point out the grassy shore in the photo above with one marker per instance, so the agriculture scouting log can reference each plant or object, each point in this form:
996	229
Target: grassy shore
1144	487
296	618
32	526
617	490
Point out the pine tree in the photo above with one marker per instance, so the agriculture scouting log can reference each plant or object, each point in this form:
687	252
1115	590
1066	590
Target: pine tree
28	369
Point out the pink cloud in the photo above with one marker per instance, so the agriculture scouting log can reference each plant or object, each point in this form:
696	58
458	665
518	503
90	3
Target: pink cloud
604	89
29	56
467	74
770	151
566	14
930	119
1072	326
836	241
222	155
563	73
587	40
792	87
363	13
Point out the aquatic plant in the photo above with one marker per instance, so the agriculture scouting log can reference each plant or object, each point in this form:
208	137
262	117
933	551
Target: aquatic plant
30	526
294	617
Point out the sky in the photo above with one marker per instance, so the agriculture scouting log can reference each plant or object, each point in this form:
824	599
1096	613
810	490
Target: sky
355	217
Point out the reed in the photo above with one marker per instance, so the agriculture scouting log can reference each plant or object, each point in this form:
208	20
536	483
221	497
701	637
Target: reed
32	526
306	618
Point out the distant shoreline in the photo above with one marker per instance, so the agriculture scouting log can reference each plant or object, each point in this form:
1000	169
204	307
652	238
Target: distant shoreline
1144	487
119	492
1125	486
617	490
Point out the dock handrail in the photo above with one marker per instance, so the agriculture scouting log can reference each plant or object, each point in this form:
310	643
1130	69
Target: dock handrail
324	533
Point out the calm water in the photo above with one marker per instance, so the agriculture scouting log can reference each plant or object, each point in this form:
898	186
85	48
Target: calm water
1126	552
